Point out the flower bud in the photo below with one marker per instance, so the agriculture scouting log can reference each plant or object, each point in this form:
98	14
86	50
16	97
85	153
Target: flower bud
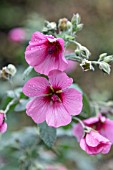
102	56
94	143
76	26
79	27
76	19
105	58
105	67
108	59
64	25
49	26
8	71
82	51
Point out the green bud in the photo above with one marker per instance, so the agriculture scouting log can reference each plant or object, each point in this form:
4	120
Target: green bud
76	19
49	26
105	67
79	27
77	52
108	59
102	56
82	51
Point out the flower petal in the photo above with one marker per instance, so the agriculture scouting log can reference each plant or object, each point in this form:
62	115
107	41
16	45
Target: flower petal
1	118
78	131
3	128
37	38
37	109
90	150
83	144
35	55
92	139
72	101
106	129
51	63
106	148
91	121
37	86
57	116
59	79
35	52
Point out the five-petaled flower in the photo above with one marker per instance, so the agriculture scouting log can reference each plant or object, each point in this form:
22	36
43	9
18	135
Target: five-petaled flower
54	101
3	124
45	53
94	143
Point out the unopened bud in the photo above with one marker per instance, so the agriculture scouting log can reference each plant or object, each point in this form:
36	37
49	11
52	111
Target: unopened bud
105	67
64	25
8	72
102	56
76	19
108	59
76	26
49	26
83	52
79	27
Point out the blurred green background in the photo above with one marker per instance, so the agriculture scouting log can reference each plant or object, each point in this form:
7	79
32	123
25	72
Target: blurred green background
97	36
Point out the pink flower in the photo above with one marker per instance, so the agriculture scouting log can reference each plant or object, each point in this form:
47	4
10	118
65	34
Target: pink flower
3	125
45	53
17	34
101	124
93	143
54	101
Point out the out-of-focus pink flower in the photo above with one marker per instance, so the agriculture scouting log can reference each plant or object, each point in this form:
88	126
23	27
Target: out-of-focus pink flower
94	143
101	124
45	53
56	167
54	101
17	35
3	125
71	64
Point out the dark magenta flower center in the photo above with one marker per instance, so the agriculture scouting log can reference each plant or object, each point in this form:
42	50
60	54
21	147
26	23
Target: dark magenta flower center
54	47
55	98
55	94
97	126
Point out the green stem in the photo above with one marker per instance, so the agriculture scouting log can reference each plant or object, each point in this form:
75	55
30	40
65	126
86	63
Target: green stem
73	57
80	121
9	105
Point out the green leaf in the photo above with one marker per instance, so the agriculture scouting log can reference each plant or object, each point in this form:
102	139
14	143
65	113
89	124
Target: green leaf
86	105
47	134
